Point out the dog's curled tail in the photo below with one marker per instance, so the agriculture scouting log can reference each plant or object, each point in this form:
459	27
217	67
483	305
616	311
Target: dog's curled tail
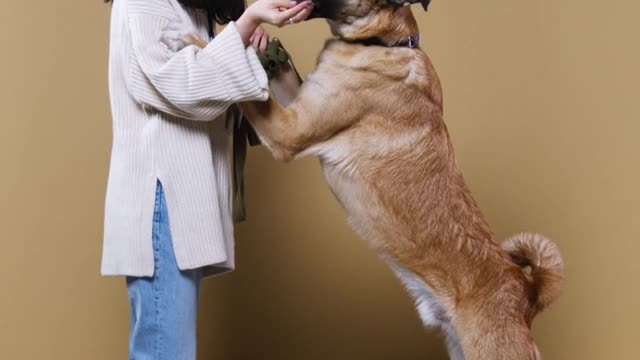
544	259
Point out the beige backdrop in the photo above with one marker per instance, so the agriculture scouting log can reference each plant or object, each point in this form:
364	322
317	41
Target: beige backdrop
541	101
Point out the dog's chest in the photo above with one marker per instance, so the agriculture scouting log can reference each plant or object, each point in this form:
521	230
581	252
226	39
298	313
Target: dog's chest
361	205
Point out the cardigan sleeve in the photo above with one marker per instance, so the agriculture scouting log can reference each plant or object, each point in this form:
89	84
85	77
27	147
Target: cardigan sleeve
193	83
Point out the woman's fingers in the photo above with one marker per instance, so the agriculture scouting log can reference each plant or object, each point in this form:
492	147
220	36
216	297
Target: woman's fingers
255	42
285	4
291	4
283	17
256	37
303	15
259	39
264	41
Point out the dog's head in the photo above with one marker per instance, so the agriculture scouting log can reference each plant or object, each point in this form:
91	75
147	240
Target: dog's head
354	18
337	10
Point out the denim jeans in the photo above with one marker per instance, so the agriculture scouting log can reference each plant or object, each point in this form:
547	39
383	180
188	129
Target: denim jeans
163	307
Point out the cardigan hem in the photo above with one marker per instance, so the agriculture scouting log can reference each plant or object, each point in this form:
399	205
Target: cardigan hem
209	269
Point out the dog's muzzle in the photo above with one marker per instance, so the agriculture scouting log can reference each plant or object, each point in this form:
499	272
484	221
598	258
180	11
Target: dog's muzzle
328	8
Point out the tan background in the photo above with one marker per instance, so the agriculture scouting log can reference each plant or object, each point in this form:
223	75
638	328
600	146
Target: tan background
541	101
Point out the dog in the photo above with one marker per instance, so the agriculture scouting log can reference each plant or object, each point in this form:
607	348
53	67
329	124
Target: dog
372	113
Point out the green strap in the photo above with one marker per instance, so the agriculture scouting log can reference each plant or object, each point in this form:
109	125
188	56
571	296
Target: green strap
272	60
274	57
239	160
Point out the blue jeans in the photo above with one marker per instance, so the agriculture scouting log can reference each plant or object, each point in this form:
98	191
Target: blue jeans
163	307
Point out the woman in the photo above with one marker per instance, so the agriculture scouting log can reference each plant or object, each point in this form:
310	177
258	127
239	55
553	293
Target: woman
168	205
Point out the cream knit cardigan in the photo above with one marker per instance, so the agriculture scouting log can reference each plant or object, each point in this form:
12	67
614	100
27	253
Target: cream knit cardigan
170	122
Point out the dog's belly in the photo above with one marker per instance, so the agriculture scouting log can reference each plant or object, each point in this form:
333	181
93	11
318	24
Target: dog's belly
431	312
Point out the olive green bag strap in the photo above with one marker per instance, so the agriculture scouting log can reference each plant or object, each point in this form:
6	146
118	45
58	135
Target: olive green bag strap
272	60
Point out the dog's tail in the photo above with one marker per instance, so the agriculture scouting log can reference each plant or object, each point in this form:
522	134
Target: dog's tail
544	259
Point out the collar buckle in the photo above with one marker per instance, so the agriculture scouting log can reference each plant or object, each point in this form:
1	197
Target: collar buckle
413	42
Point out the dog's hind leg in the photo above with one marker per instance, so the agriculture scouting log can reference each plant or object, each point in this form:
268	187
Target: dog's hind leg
493	338
453	342
431	313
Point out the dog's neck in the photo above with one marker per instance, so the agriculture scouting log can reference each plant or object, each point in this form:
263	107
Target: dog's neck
389	27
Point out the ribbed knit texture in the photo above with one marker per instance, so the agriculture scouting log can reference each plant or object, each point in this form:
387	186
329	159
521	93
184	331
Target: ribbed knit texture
170	119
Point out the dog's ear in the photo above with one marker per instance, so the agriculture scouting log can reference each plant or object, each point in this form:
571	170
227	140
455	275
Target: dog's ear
425	3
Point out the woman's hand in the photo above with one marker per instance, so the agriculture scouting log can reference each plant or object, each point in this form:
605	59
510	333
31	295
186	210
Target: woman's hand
259	39
279	12
274	12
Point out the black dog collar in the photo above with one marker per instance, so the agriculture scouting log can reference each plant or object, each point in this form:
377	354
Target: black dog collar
411	42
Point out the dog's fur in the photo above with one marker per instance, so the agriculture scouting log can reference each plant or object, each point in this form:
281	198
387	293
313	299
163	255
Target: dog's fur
374	117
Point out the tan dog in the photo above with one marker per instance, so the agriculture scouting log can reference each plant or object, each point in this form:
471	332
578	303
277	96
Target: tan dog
372	112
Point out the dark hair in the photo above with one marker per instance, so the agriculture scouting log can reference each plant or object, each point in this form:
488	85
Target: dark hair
220	11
